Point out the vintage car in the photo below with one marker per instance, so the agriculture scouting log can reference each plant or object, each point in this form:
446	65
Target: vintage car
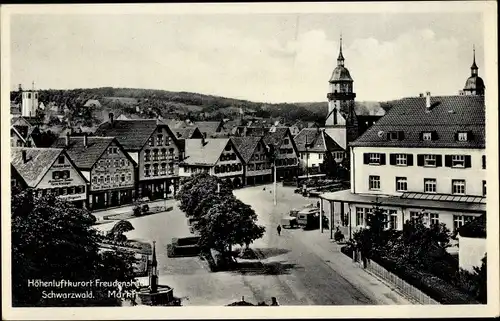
289	222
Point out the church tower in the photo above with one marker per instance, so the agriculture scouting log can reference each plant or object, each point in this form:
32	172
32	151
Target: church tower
474	84
341	122
29	102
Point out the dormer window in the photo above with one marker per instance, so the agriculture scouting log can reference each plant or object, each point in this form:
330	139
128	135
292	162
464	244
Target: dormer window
396	135
462	136
427	136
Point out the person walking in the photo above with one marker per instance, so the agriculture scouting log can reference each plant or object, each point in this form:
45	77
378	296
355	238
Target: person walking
279	229
274	302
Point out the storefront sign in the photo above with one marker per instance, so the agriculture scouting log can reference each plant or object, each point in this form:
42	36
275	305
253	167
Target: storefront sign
59	166
60	182
74	197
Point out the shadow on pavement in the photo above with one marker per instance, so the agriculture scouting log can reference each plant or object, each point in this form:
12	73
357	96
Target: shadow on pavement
265	253
259	268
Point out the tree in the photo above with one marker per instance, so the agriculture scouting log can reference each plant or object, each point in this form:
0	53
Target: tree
196	189
229	222
116	232
53	240
481	281
329	165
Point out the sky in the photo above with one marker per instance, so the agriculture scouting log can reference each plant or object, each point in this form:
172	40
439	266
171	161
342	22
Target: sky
260	57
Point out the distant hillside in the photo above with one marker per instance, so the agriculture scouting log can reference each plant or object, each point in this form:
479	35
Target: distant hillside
150	103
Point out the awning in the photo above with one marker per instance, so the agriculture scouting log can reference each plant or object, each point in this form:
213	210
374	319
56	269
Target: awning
348	197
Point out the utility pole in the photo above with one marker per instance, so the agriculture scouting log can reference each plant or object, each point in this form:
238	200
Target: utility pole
307	161
274	187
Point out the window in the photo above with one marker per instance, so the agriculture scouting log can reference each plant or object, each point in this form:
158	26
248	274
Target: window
462	136
401	184
29	95
150	141
484	188
396	135
117	178
227	148
320	156
414	216
155	169
374	158
163	154
64	191
458	161
171	169
393	219
430	160
434	218
55	175
484	161
458	186
374	182
171	151
123	178
163	170
122	162
429	185
65	174
168	140
115	150
94	180
360	214
458	221
108	163
146	171
286	141
159	140
427	136
401	159
129	178
155	155
60	160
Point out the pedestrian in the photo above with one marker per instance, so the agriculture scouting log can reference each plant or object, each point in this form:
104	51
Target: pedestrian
264	189
317	204
274	302
279	229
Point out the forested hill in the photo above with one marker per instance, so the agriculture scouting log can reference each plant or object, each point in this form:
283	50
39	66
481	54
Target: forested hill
177	104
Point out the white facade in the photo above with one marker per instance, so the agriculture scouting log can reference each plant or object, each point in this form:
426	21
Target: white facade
394	180
415	175
311	159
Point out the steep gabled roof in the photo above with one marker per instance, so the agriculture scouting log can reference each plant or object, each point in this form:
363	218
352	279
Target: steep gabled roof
38	162
197	153
131	134
276	136
85	157
246	146
317	141
447	116
187	132
208	126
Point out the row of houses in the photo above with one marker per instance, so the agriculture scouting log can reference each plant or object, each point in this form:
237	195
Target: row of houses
146	158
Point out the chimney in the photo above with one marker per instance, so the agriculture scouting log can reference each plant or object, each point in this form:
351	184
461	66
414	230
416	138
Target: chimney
25	158
421	95
20	88
85	140
111	119
203	141
428	100
67	138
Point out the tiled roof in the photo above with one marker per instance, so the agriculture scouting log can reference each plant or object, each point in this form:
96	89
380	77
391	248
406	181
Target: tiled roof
208	126
24	131
246	146
276	137
132	134
447	116
186	132
255	131
39	160
317	141
84	157
207	154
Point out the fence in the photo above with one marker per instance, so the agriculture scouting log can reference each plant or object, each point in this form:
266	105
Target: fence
401	285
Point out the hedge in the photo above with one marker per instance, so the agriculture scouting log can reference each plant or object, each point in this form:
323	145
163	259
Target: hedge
429	284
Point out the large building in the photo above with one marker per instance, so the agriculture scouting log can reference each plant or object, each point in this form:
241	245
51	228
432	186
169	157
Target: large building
154	147
48	170
426	155
106	165
216	156
314	145
256	160
474	84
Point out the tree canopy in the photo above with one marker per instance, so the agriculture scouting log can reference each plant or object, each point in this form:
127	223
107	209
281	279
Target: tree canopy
53	240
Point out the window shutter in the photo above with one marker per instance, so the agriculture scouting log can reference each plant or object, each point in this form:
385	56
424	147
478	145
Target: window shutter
456	138
467	161
447	160
420	160
401	135
409	159
382	159
470	135
484	161
392	159
420	137
388	135
439	161
366	158
434	135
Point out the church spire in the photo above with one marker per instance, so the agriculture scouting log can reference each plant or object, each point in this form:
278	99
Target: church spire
474	66
340	59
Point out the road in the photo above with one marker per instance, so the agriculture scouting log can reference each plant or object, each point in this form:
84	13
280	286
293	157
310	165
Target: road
295	274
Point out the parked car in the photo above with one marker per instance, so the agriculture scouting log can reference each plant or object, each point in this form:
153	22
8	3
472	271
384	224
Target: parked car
289	222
